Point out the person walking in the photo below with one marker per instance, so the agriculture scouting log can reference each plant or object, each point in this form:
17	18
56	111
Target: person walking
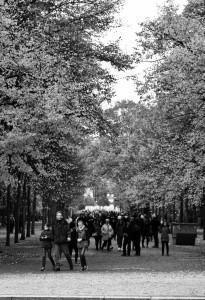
61	235
134	234
97	234
107	234
119	232
126	237
146	232
165	238
155	224
46	238
73	243
82	243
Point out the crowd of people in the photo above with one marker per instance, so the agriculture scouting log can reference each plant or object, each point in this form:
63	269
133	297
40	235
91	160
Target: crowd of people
72	235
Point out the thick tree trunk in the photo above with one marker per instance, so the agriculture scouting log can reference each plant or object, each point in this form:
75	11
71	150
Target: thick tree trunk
8	207
33	214
17	212
28	228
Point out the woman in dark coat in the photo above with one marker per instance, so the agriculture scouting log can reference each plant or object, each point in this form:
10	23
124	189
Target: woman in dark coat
82	243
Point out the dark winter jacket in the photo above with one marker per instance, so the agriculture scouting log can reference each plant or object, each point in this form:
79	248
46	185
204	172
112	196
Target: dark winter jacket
155	225
61	232
97	228
134	230
126	225
83	235
119	228
73	233
46	238
146	228
165	234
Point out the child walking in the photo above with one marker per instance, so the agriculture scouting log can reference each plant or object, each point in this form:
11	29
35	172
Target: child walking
82	243
165	238
46	238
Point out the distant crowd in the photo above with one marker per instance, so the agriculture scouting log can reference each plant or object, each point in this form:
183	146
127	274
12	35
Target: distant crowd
72	236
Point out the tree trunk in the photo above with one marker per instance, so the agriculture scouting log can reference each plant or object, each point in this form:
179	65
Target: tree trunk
8	206
181	216
28	228
186	211
17	211
23	217
33	214
43	216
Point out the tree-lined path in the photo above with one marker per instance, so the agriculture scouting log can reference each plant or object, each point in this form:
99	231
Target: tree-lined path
109	274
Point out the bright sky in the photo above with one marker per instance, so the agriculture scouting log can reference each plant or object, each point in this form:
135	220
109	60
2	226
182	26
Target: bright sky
132	13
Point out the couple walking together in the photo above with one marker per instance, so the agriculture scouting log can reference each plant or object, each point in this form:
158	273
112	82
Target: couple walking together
59	237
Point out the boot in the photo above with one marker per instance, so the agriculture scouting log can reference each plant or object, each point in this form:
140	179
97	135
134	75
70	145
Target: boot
52	262
70	262
43	263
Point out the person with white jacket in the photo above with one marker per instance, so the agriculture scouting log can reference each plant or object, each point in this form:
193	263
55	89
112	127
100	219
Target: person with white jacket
107	234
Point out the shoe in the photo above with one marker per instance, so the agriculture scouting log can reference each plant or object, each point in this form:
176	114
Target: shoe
119	249
57	269
123	255
42	269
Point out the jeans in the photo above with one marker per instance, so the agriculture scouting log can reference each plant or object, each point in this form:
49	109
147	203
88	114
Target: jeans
126	246
165	244
98	242
73	246
119	241
143	240
62	248
47	251
82	257
136	243
156	239
107	244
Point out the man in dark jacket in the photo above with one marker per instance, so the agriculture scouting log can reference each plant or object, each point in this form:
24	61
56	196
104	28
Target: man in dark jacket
73	243
119	232
155	224
126	237
61	235
135	233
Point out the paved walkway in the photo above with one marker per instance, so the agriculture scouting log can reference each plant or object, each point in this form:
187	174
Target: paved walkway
109	275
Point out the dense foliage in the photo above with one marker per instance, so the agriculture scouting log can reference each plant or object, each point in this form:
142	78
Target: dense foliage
52	87
158	156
